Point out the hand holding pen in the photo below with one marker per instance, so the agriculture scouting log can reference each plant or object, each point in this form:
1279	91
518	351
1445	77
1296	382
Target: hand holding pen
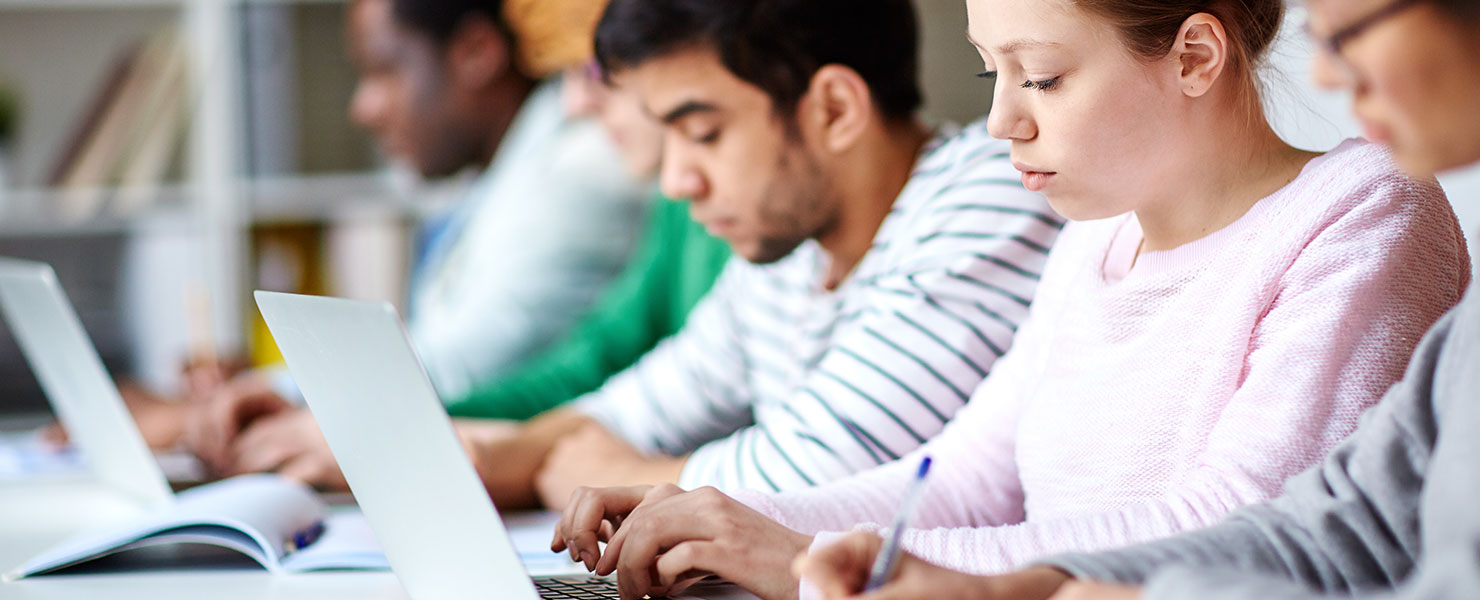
888	558
863	562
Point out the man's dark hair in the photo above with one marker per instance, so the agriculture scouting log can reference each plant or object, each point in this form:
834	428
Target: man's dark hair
440	19
776	45
1463	9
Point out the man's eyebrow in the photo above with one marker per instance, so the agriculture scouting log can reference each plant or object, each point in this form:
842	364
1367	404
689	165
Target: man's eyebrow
687	108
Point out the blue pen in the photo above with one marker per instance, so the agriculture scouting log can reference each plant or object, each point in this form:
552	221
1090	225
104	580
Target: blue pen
304	538
888	556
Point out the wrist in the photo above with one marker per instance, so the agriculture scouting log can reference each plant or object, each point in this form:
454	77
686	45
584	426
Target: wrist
796	545
801	543
654	471
1032	583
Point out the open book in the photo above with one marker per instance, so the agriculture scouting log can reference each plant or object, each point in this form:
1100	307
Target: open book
279	523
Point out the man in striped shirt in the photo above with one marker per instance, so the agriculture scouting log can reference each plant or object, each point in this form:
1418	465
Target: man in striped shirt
881	268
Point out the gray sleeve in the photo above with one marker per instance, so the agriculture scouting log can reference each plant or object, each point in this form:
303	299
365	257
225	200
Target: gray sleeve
1348	525
1451	575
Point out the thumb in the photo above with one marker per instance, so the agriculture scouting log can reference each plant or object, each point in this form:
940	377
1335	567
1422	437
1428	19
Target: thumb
840	569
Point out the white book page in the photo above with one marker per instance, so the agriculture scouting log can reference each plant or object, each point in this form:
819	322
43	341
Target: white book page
251	510
347	543
27	457
264	506
214	535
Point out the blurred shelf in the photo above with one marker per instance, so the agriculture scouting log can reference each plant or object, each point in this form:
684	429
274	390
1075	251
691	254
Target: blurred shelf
328	198
88	4
32	213
133	4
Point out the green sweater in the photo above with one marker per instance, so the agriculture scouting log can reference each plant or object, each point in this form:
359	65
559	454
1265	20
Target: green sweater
675	266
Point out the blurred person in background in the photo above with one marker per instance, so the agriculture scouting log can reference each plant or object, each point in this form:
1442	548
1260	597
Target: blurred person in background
674	267
550	219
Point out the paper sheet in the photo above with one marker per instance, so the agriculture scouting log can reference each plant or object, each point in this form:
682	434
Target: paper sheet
531	532
27	456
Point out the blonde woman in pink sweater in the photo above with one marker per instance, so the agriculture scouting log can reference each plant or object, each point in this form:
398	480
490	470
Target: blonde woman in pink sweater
1220	313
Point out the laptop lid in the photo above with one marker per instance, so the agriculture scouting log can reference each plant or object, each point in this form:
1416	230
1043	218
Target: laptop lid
72	376
394	442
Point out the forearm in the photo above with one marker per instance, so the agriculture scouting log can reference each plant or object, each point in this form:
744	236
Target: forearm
508	467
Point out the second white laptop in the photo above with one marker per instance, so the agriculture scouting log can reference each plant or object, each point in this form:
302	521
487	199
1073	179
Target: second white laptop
396	446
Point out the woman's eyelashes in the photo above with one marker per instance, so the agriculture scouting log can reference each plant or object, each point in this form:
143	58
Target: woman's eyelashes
1043	85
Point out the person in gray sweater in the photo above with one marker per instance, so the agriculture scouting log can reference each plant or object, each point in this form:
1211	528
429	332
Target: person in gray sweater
1392	513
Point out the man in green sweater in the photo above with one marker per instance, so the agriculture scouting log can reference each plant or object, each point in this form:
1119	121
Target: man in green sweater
675	266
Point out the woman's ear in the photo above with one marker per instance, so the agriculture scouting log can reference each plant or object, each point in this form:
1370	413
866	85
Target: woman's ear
838	107
1202	52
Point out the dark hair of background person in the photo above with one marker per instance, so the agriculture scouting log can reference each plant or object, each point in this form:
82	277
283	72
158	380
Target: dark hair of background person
1463	9
440	19
776	45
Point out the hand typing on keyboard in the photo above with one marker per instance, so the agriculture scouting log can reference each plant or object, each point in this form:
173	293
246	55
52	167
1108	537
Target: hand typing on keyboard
661	540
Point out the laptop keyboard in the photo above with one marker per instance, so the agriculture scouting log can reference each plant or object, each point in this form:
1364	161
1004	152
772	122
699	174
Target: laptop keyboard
576	588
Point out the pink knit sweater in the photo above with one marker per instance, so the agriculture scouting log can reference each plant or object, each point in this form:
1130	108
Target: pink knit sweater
1139	402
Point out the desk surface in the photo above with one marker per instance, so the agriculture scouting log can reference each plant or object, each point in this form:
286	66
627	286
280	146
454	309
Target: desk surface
33	517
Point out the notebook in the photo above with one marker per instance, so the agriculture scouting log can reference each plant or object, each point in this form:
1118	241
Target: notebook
396	447
280	524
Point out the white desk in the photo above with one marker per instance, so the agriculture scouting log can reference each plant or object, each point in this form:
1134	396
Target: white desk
196	585
33	517
37	513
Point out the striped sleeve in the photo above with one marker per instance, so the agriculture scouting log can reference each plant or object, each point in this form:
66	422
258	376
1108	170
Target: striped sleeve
689	389
925	332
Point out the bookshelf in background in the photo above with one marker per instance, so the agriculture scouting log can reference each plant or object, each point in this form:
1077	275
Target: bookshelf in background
181	133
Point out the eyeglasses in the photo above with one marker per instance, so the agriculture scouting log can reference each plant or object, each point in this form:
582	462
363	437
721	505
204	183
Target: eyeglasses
1332	44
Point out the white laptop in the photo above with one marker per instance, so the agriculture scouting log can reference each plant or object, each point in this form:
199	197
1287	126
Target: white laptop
396	446
72	376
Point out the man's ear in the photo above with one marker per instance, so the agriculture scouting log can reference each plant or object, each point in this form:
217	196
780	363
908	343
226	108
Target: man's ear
478	54
1202	51
838	107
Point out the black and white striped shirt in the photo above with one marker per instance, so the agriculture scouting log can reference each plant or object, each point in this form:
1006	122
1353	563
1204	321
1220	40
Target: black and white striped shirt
775	383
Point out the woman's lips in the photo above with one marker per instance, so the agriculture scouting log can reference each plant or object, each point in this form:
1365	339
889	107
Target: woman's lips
1035	181
1033	178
